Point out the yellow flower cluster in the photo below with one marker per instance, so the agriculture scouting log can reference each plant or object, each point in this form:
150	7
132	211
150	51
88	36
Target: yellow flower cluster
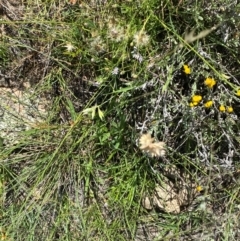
197	98
229	109
210	83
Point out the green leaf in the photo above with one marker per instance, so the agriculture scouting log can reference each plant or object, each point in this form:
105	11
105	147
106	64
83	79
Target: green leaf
169	79
105	137
71	109
1	143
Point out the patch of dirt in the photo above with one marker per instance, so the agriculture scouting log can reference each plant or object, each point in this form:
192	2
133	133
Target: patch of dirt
168	196
11	9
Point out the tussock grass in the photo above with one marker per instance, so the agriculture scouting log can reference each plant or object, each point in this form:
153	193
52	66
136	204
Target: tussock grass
108	72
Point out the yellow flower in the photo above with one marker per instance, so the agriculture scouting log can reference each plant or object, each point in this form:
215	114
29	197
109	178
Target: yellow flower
186	69
222	108
208	104
209	82
229	109
194	103
199	188
196	98
191	104
238	93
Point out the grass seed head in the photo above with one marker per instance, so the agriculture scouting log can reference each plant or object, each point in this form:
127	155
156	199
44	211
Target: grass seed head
153	148
141	38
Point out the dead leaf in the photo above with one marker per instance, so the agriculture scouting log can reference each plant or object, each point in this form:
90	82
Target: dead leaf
168	197
191	37
72	2
163	198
